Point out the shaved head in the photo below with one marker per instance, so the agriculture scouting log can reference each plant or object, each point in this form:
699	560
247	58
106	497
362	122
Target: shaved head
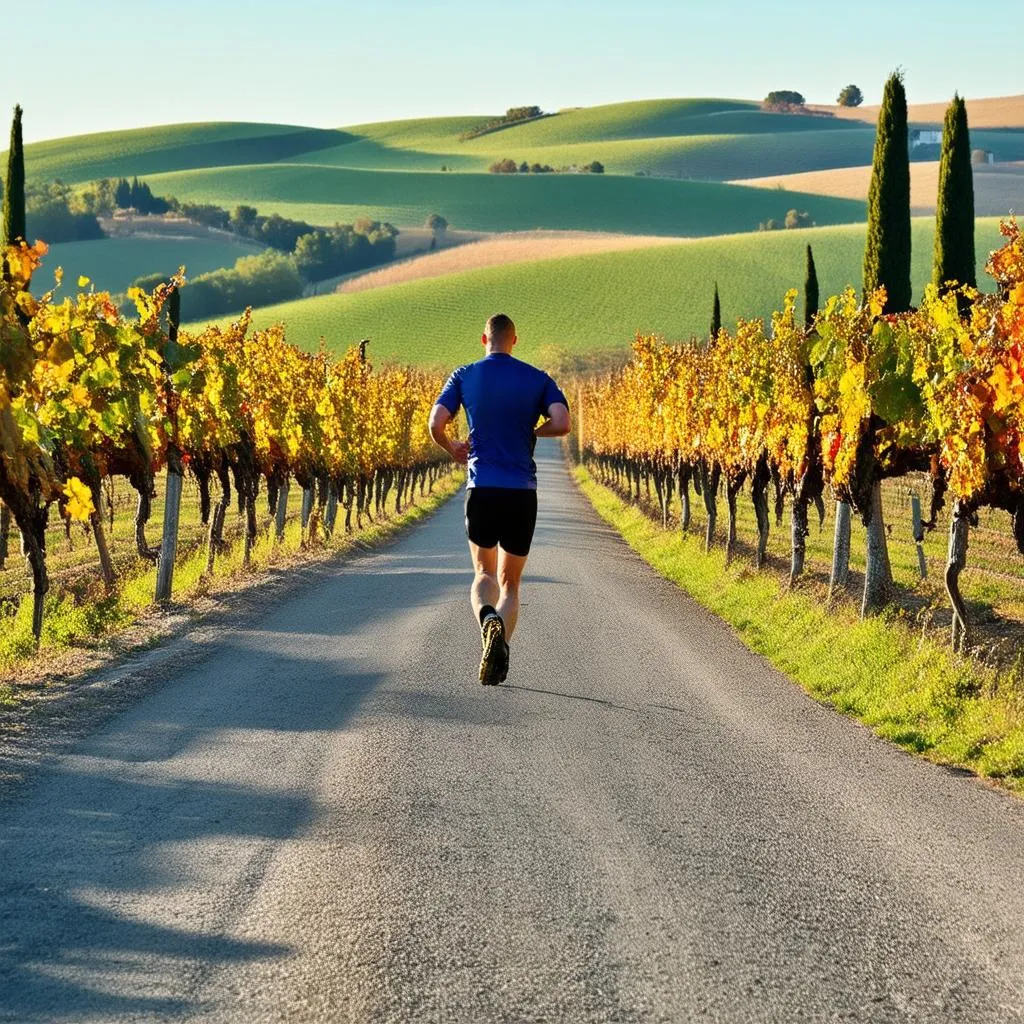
499	328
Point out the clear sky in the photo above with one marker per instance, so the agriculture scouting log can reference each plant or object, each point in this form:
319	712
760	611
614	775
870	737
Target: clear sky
103	64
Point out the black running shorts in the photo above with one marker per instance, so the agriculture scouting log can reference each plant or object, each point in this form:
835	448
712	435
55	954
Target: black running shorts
501	515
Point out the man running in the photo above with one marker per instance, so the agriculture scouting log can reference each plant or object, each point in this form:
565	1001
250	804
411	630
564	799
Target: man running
504	398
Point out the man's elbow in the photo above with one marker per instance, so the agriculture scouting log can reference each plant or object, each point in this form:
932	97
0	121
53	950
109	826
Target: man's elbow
561	421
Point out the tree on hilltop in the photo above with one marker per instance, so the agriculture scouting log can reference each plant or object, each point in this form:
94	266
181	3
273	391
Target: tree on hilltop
954	258
850	96
887	252
783	99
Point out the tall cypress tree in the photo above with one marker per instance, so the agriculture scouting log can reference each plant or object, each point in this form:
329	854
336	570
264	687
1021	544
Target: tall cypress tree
810	290
954	218
716	315
14	188
887	253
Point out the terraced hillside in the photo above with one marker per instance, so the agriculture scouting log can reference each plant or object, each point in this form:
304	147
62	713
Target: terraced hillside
576	307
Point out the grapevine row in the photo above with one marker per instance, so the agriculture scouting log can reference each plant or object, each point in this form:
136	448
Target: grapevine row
842	403
88	393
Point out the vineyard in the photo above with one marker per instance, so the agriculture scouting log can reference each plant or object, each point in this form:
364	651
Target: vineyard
839	402
88	394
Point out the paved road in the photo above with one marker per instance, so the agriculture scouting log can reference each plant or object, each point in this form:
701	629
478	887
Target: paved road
329	819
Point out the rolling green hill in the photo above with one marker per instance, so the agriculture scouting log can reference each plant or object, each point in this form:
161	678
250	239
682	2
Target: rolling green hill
590	304
716	139
113	263
501	202
169	148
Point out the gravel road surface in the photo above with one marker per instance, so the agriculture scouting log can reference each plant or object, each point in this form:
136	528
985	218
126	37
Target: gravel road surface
329	819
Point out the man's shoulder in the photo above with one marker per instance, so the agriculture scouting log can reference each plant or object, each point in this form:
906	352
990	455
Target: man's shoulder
528	369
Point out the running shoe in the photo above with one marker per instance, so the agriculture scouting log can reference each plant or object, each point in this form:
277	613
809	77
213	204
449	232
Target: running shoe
494	659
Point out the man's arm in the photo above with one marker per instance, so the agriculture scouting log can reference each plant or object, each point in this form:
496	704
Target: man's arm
558	423
440	417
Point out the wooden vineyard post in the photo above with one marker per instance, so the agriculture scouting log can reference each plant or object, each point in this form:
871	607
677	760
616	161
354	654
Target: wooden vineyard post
172	501
915	511
282	508
307	505
331	515
5	535
579	423
306	515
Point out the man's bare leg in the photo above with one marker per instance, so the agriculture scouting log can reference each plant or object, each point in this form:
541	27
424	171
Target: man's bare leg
510	572
485	589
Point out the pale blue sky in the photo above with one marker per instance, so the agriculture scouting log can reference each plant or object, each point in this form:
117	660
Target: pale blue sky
106	64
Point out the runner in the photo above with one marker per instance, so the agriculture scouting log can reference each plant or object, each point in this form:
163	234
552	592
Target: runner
504	398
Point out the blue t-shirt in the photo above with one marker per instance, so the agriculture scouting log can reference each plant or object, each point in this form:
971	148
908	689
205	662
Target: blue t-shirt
503	398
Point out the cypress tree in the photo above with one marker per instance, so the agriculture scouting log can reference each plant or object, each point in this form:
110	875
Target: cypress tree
810	290
887	253
716	315
14	191
954	218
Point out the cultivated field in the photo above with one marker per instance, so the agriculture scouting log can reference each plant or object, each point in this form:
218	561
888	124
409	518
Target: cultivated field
579	306
499	202
499	250
998	188
994	112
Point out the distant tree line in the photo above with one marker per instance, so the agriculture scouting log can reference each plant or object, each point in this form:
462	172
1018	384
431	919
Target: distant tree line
54	213
258	280
509	166
512	116
300	253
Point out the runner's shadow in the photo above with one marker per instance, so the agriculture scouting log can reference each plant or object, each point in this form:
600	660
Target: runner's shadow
568	696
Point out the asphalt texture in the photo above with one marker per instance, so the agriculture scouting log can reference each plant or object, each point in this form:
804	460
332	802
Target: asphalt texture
329	819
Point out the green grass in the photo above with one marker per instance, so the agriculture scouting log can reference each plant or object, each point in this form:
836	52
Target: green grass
500	202
581	305
716	157
716	139
113	263
167	148
907	688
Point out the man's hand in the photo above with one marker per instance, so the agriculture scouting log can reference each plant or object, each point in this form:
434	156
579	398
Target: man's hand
440	417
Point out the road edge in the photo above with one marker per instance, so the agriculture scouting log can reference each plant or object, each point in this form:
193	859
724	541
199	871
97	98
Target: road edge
906	688
132	662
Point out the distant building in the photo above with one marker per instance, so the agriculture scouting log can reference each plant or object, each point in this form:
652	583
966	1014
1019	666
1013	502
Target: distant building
925	137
